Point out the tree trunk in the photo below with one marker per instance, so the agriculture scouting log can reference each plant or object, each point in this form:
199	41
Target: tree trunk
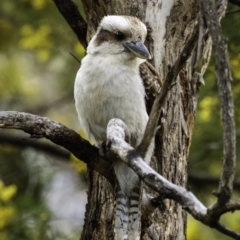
170	24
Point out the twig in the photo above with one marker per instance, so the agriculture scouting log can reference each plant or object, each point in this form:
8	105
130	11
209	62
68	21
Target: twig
75	57
217	210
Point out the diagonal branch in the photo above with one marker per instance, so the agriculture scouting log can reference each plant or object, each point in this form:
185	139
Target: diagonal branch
116	133
226	101
70	12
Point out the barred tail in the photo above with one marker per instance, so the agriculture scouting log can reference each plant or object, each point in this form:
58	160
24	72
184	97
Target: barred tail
134	223
121	216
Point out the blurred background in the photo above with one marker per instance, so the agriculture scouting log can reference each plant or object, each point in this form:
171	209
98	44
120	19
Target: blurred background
42	187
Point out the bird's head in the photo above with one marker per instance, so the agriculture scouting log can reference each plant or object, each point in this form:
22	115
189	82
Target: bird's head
121	36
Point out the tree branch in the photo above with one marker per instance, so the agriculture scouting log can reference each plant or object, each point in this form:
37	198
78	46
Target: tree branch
226	101
69	11
39	127
116	133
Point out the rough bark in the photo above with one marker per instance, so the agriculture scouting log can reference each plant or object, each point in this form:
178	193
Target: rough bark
179	20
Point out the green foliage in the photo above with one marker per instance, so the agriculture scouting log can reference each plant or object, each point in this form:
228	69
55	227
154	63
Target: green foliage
37	75
35	59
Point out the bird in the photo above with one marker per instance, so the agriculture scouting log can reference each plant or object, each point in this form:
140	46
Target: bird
108	85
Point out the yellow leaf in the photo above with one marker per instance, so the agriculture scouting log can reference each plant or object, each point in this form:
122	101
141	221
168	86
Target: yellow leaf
39	4
8	192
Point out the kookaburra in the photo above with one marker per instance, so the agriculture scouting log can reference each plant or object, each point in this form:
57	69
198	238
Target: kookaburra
108	85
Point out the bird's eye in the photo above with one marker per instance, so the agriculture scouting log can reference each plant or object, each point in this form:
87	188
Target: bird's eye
119	35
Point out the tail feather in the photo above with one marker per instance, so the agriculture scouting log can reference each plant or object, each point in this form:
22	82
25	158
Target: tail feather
134	223
127	218
121	216
128	209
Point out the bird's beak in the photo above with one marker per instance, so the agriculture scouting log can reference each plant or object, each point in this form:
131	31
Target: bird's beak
138	49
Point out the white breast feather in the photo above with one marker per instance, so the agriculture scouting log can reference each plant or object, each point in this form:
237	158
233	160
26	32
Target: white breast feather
106	89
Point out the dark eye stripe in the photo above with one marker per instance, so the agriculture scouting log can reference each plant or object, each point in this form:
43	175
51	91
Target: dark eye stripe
107	36
102	36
